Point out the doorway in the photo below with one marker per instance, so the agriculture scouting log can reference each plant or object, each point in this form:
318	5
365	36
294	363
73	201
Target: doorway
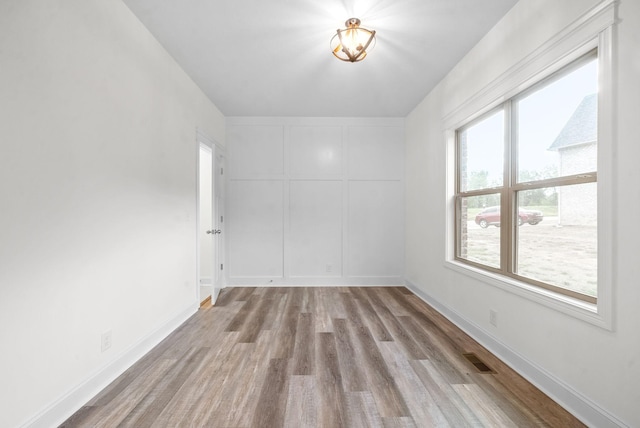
210	241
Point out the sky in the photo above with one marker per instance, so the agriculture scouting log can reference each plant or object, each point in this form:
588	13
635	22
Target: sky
542	115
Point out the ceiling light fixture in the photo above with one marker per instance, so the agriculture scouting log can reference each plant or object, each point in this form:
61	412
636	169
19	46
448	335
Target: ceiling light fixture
352	43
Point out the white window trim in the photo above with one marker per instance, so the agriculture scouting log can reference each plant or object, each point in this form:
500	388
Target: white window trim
594	29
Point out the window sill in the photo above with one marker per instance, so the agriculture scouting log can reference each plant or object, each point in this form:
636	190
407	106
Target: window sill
576	308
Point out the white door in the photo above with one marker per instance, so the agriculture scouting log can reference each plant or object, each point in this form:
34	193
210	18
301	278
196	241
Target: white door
218	222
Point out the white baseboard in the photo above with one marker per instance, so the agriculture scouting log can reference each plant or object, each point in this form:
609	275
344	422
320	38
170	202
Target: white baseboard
60	410
317	281
578	405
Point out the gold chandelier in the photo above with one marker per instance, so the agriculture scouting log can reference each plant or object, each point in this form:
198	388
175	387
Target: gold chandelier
352	43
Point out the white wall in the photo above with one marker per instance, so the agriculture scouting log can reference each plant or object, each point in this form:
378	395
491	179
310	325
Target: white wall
315	201
595	365
97	183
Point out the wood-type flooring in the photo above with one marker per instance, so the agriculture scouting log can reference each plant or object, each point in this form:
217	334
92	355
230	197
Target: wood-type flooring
319	357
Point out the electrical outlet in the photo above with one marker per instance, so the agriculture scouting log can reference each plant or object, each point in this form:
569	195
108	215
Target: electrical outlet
329	269
493	317
105	341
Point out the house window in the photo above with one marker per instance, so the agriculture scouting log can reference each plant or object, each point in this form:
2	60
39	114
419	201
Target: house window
526	185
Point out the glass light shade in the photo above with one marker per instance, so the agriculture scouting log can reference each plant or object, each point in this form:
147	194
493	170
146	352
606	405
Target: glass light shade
352	43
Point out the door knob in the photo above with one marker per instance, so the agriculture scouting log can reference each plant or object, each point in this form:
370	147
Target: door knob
214	231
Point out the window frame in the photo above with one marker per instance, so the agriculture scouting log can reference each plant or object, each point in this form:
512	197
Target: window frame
511	185
593	30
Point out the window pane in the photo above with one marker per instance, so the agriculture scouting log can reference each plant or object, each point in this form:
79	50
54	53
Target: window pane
557	242
481	151
479	239
557	126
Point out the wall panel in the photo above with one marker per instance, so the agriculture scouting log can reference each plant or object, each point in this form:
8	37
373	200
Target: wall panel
337	217
373	152
256	150
375	216
315	222
315	150
255	236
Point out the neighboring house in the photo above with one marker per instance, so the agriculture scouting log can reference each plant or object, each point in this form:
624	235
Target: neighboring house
577	146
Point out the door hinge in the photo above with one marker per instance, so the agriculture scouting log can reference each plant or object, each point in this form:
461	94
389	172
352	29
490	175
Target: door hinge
221	267
221	219
221	171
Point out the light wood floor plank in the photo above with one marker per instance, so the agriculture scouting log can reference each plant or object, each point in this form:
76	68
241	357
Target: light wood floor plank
438	350
353	377
304	352
193	399
274	316
381	383
147	411
302	403
448	400
421	404
403	422
376	326
487	412
120	406
243	314
322	312
438	392
332	408
319	357
286	331
247	382
253	324
399	333
362	410
272	402
308	300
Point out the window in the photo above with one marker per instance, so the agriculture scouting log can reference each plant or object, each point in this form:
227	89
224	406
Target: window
526	185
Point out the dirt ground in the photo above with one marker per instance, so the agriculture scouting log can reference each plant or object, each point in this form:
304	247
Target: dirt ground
563	256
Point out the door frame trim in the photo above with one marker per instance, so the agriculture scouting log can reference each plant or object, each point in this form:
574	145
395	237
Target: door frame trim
202	140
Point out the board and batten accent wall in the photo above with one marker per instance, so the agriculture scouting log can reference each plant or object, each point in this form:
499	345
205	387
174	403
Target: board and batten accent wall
315	201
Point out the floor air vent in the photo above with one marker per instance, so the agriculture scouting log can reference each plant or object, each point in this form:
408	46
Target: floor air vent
478	363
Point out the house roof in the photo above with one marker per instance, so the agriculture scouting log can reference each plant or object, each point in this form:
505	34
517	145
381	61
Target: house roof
582	126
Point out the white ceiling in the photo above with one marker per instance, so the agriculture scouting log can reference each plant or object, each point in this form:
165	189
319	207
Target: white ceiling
272	57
